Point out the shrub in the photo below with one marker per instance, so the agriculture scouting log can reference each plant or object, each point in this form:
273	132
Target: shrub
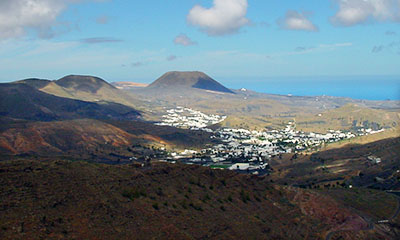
133	193
244	196
198	208
155	206
223	182
206	197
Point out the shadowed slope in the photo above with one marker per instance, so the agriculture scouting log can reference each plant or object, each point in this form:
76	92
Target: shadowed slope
25	102
93	89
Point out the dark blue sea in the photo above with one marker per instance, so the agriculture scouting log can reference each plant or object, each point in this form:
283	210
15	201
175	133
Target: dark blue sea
370	88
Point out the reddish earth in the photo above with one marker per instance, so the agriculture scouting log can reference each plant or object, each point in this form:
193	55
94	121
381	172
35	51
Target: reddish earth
58	137
62	199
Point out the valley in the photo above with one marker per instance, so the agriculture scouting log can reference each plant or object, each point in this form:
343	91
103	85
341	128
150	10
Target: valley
170	155
198	120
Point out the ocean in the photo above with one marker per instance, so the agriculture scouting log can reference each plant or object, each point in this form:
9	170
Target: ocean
369	88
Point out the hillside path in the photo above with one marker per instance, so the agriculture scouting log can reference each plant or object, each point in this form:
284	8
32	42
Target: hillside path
370	223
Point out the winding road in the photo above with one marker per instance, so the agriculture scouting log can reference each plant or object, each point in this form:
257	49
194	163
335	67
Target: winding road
397	194
370	223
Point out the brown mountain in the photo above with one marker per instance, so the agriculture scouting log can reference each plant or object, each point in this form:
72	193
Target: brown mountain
20	100
187	80
83	83
85	88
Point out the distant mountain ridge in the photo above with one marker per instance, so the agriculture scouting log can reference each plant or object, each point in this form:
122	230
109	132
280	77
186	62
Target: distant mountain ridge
196	79
23	101
85	88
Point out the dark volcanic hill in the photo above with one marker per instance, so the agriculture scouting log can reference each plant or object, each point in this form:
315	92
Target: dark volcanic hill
26	102
179	80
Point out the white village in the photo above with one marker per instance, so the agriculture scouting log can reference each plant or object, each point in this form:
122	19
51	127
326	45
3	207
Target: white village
245	150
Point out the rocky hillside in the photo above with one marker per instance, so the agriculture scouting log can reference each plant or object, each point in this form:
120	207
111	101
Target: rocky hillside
77	200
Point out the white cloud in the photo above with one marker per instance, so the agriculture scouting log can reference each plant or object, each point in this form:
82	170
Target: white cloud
352	12
224	17
16	16
297	21
184	40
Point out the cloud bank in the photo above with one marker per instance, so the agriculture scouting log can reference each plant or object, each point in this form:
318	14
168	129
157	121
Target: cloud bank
352	12
224	17
297	21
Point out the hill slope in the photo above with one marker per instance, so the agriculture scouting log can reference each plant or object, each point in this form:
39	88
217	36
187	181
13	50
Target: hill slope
83	83
78	200
94	140
89	88
187	80
348	165
26	102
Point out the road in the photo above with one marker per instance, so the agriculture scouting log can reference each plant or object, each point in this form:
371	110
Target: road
370	223
370	227
397	194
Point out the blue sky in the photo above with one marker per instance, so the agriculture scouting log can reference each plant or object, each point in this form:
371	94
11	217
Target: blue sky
122	40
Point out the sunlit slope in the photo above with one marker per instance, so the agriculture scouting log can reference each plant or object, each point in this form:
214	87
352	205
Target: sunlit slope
25	102
388	133
89	88
347	117
88	137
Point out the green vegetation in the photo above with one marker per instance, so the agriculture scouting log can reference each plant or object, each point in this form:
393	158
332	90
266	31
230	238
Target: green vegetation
219	166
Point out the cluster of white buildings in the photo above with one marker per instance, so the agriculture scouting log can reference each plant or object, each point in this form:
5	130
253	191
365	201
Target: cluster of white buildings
269	143
188	118
245	150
